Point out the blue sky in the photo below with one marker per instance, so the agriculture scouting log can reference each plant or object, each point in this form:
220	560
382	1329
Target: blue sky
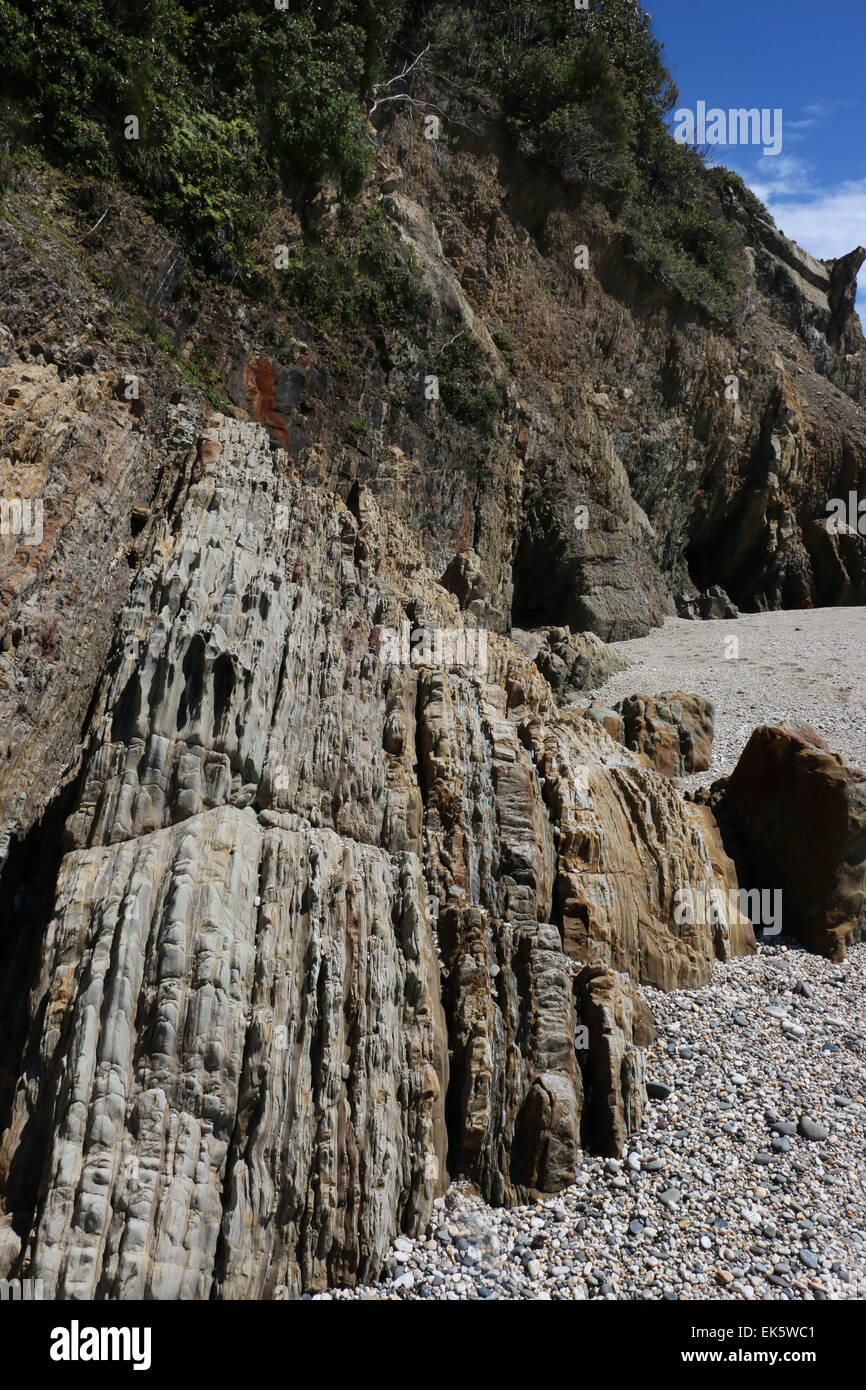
805	57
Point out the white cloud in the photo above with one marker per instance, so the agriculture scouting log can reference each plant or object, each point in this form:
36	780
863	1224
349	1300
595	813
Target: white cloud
826	222
782	177
830	224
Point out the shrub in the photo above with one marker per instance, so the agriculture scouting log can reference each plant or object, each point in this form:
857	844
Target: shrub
358	276
229	100
466	386
235	101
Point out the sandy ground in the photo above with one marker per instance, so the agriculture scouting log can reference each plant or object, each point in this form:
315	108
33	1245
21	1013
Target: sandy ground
799	665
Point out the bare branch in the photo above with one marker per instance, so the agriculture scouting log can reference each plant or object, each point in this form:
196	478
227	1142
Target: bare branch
96	224
459	334
399	77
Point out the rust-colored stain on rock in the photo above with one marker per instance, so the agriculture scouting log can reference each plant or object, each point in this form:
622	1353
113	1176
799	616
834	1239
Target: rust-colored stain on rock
261	386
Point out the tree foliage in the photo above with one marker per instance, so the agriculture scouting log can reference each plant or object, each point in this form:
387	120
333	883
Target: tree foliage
230	100
235	103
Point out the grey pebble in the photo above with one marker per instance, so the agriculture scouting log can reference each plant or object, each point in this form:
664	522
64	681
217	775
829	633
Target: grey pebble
658	1090
810	1129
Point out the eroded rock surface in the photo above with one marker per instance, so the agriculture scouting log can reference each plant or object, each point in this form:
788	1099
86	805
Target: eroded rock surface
673	731
231	1074
569	661
239	1065
310	884
794	816
620	1027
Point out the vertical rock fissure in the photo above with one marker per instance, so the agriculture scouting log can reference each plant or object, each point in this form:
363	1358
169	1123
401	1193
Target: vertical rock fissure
29	884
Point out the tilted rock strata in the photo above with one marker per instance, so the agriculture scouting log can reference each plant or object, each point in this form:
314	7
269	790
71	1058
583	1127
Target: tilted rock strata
79	453
241	1066
276	818
620	1026
205	701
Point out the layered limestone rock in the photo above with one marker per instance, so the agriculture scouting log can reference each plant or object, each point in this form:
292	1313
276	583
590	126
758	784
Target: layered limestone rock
313	894
619	1026
78	455
516	1099
228	1073
238	1067
615	897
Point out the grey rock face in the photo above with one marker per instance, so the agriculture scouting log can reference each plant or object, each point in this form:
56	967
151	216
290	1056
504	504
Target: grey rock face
619	1029
517	1091
712	603
241	1064
230	1076
249	819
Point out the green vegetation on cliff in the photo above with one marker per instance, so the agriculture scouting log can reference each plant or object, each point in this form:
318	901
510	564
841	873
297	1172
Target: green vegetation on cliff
235	106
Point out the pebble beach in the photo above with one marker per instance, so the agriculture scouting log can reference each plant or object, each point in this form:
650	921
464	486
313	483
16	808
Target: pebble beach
745	1182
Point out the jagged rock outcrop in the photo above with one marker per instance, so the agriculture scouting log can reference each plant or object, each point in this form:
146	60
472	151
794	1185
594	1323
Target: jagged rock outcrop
674	730
712	603
312	892
516	1099
280	809
838	558
569	661
239	1065
620	1027
616	907
72	448
814	298
793	814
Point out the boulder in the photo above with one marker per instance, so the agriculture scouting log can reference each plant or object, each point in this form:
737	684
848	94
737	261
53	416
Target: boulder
674	730
569	661
712	603
793	815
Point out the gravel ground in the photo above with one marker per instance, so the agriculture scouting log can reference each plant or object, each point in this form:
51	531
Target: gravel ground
799	665
709	1200
746	1181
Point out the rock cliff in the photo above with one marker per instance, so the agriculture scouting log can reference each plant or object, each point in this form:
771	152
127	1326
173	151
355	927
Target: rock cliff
314	892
